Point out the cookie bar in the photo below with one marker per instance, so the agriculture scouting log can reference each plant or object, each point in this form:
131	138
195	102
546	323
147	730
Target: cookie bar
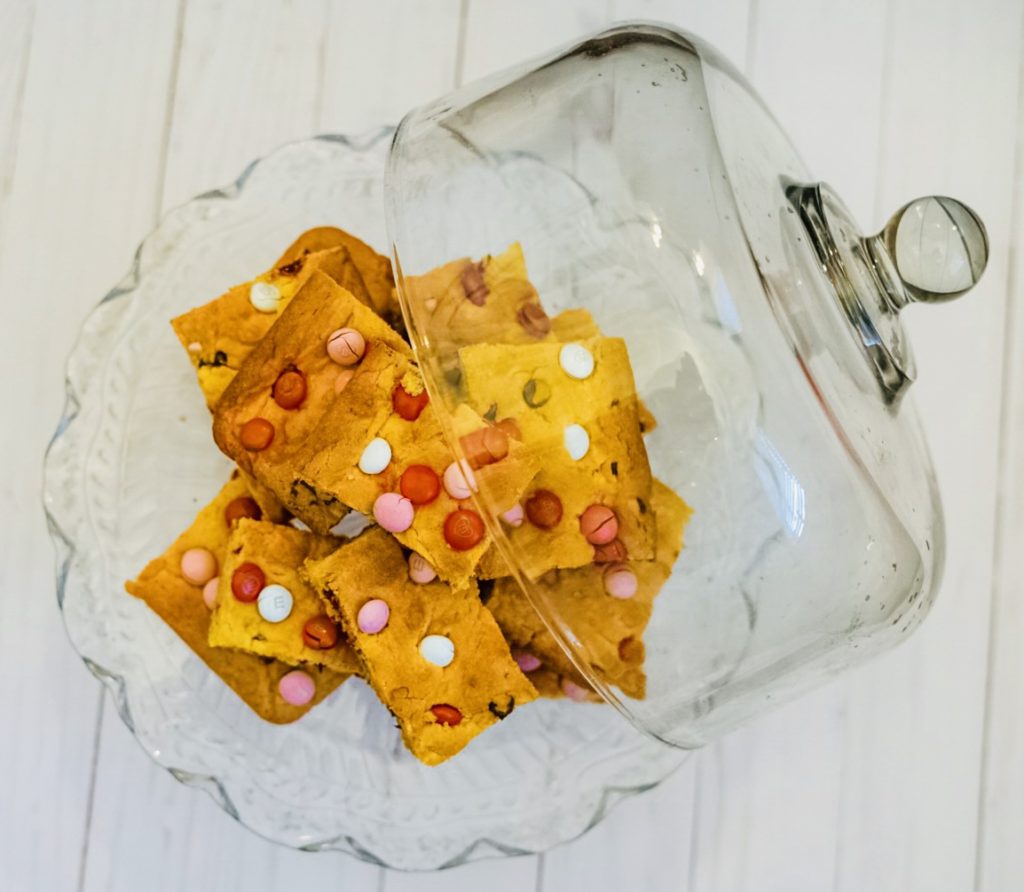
180	603
294	350
485	301
259	555
219	335
374	443
374	269
607	606
433	654
576	404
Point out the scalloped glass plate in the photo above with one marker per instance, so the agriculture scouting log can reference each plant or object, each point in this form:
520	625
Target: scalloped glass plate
131	462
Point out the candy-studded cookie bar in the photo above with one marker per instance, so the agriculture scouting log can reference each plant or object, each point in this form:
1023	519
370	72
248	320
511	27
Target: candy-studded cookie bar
607	606
180	586
265	607
576	404
219	335
434	655
276	411
355	430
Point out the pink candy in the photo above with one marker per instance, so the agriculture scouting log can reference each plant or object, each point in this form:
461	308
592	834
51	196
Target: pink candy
373	616
210	592
198	566
620	581
526	661
296	688
393	512
346	346
514	516
420	571
459	481
573	691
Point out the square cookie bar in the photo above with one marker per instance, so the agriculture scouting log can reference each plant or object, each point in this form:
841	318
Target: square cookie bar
433	654
180	602
374	269
265	607
576	404
363	435
219	335
607	607
286	387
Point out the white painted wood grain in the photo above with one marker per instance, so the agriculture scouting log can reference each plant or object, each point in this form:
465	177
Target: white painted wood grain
87	138
915	717
1000	862
384	58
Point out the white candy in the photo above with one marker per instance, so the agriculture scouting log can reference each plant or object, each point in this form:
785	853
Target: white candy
459	480
275	603
577	441
376	456
576	361
264	297
438	650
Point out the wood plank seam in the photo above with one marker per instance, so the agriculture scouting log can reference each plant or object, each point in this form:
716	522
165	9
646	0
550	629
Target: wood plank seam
90	798
1005	458
7	183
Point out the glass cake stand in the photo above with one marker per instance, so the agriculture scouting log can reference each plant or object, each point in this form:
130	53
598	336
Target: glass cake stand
130	464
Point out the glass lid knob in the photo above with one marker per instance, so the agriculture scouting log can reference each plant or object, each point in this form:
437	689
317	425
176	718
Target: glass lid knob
939	248
931	250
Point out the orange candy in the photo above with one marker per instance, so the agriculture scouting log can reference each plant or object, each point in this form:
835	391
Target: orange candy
289	389
463	529
256	434
243	506
420	484
445	714
247	582
408	406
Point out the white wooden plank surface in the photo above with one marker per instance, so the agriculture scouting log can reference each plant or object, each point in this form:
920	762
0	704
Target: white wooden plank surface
915	717
873	783
85	147
1000	862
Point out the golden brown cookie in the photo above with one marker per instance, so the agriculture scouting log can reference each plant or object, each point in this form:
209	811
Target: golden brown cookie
434	655
611	627
374	269
275	554
376	435
584	420
219	335
180	604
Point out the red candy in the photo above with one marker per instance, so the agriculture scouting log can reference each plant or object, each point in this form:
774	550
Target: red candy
408	406
463	529
247	582
544	509
599	525
289	389
420	484
446	715
243	506
256	434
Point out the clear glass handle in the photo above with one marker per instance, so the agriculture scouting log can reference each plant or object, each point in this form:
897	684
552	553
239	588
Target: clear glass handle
938	248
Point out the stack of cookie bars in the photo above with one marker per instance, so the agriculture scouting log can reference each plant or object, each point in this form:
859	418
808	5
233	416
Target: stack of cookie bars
347	541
